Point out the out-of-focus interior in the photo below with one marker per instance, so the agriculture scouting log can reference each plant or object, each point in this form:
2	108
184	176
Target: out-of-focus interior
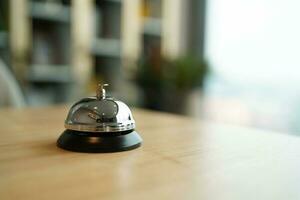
222	60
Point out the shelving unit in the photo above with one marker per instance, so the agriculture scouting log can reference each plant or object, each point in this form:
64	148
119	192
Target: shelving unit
49	72
106	47
84	42
160	20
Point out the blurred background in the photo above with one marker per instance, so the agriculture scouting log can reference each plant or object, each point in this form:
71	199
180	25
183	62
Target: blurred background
231	61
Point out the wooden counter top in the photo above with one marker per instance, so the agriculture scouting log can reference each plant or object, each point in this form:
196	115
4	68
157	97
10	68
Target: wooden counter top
181	158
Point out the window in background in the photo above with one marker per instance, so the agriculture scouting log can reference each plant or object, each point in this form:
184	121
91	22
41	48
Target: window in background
253	48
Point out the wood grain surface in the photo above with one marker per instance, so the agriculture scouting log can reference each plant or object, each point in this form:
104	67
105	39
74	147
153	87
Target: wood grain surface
181	158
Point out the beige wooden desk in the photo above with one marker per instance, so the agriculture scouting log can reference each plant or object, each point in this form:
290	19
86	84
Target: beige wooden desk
180	159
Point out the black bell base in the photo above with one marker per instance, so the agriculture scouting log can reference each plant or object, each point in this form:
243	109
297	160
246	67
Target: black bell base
89	142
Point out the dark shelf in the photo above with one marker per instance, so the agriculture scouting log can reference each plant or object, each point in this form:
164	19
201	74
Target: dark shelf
106	47
50	74
50	11
152	26
3	39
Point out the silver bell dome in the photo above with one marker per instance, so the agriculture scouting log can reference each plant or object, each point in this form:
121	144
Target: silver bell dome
100	114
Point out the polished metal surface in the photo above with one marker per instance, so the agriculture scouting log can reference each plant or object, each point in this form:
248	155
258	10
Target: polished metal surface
100	114
100	92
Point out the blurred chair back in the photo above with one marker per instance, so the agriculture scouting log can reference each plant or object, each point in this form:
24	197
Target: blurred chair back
10	92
